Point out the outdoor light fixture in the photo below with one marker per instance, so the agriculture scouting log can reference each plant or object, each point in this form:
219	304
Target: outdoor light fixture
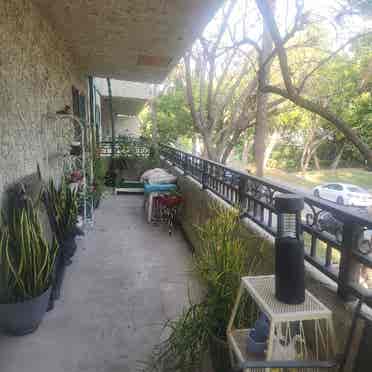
289	250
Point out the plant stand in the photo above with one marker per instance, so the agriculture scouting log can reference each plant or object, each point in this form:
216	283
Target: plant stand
82	162
297	332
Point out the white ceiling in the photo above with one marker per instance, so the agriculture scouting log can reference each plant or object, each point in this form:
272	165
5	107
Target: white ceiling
125	106
122	88
108	36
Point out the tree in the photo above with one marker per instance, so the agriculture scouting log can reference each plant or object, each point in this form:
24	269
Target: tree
154	120
294	92
171	114
262	101
221	81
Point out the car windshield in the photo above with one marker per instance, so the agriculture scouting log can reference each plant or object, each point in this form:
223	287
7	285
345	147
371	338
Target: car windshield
357	189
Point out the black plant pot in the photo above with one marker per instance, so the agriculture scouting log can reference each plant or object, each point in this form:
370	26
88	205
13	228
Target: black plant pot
69	247
58	277
75	150
22	318
219	354
96	202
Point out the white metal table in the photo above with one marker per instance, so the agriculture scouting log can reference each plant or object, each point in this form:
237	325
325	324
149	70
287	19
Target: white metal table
303	331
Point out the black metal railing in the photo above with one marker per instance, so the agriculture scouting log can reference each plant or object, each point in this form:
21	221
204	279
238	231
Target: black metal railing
335	249
128	147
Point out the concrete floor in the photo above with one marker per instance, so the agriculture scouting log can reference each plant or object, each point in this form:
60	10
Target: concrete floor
126	279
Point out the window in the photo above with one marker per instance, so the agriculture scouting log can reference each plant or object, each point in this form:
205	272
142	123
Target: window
78	104
357	189
334	186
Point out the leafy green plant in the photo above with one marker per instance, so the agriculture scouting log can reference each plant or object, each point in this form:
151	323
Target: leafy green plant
26	259
225	255
62	206
100	170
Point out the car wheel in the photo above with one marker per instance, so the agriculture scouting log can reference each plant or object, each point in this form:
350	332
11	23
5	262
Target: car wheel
340	200
365	247
316	193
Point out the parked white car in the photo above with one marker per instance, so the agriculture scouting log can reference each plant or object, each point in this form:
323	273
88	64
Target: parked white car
344	194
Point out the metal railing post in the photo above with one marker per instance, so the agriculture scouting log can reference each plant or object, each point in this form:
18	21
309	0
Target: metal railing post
185	165
349	267
254	197
243	198
205	175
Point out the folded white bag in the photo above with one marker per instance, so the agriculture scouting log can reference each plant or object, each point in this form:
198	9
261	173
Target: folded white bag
159	176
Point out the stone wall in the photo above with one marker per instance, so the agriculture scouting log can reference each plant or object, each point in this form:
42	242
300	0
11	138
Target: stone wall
36	76
197	209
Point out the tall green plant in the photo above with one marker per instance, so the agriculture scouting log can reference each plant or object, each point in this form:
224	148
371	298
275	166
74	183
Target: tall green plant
62	206
226	254
26	259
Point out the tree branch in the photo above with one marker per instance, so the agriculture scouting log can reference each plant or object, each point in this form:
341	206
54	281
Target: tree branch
329	57
340	124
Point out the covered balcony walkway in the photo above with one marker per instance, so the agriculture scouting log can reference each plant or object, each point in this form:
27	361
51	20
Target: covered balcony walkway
126	279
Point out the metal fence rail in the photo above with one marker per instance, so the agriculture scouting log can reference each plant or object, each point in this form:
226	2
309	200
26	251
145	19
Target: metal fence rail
126	147
335	252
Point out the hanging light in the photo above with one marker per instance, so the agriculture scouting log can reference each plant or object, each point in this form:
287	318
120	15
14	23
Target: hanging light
289	250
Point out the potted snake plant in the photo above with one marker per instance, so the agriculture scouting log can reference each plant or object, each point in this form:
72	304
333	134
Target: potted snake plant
62	208
27	262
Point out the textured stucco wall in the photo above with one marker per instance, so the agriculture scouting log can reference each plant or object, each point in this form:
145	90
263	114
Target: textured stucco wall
197	209
36	75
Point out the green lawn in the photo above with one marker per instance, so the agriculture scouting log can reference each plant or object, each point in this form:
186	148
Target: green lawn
308	180
311	179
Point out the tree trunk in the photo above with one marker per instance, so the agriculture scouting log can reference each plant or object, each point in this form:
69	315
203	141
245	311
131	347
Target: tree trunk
307	150
194	144
336	160
262	99
210	151
228	148
247	146
306	163
274	138
316	161
303	159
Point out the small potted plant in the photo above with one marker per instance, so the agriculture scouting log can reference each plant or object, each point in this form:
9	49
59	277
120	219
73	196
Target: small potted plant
27	263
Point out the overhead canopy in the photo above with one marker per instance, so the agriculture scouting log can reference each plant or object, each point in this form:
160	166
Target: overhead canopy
121	88
137	40
126	106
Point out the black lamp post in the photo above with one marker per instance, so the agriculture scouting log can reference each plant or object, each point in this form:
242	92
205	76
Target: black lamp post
289	250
